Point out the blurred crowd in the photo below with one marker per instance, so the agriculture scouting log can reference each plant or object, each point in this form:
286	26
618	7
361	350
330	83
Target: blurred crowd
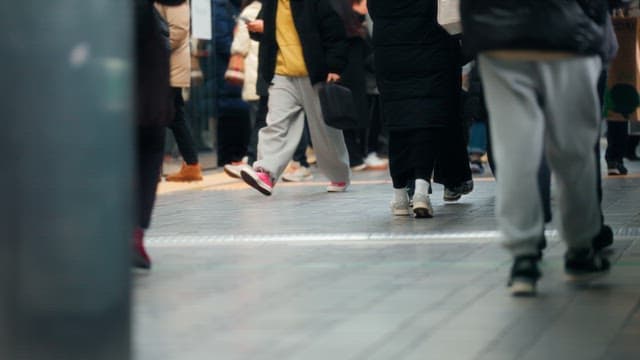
520	91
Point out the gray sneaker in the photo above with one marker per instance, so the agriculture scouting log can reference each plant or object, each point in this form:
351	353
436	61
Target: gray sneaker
422	206
400	207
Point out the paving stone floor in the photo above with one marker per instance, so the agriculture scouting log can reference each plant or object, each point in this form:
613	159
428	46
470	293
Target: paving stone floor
309	275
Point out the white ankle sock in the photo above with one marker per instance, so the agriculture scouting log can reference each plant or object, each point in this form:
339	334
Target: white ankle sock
422	186
400	195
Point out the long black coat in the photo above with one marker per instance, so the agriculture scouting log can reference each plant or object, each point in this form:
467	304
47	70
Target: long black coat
322	36
417	64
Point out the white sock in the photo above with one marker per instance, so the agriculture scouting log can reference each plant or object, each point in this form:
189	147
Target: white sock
422	186
400	195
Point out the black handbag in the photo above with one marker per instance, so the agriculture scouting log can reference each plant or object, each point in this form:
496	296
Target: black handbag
338	106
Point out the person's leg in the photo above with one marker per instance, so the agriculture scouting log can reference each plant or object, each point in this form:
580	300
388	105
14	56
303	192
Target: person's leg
573	120
617	135
402	175
285	123
150	152
517	145
328	143
260	122
300	155
190	170
181	131
632	147
351	139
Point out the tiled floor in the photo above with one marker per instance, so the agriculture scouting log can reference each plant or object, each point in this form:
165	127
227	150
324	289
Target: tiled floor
309	275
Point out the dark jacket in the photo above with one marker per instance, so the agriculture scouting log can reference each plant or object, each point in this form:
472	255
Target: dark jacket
417	64
321	34
228	97
154	106
576	26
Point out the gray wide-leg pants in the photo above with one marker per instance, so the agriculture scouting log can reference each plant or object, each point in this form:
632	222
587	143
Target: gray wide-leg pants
289	99
549	106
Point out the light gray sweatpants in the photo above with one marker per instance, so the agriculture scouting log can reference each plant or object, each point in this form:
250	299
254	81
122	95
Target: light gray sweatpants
549	106
289	99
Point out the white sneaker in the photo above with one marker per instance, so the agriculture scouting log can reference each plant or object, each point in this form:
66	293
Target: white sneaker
300	174
400	207
234	169
422	206
373	162
361	167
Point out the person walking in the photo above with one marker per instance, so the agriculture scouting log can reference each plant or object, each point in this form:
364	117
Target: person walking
178	18
154	110
303	45
540	67
418	70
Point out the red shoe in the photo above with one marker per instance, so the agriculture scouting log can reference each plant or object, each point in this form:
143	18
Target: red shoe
258	179
337	186
140	259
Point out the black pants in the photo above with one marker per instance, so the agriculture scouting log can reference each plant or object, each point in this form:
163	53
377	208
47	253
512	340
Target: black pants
234	131
356	145
150	152
412	155
181	131
617	137
452	165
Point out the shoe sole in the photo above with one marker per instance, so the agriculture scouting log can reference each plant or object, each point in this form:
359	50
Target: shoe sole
400	212
422	211
254	183
333	189
582	278
452	199
183	180
232	174
522	288
285	179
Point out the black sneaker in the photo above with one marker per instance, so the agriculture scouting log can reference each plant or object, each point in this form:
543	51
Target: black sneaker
455	193
604	239
584	265
616	168
524	275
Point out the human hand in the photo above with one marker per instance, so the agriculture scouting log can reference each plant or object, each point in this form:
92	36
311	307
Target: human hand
256	26
333	77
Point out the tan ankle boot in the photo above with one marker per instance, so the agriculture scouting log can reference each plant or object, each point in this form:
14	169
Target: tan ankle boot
187	173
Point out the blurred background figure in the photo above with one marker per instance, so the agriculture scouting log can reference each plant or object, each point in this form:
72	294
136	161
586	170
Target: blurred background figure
231	111
178	19
353	14
154	111
294	74
418	67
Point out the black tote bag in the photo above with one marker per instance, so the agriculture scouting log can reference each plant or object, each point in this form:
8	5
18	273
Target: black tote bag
338	106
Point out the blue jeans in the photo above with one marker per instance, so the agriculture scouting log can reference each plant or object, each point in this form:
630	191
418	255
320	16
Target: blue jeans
478	138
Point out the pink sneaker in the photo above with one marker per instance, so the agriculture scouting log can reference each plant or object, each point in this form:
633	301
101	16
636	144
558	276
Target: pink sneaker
257	179
337	186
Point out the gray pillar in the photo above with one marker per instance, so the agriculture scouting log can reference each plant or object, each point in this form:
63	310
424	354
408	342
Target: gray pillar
66	181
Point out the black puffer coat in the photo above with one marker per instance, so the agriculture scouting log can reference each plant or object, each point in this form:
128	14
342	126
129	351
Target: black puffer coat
417	64
322	36
576	26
